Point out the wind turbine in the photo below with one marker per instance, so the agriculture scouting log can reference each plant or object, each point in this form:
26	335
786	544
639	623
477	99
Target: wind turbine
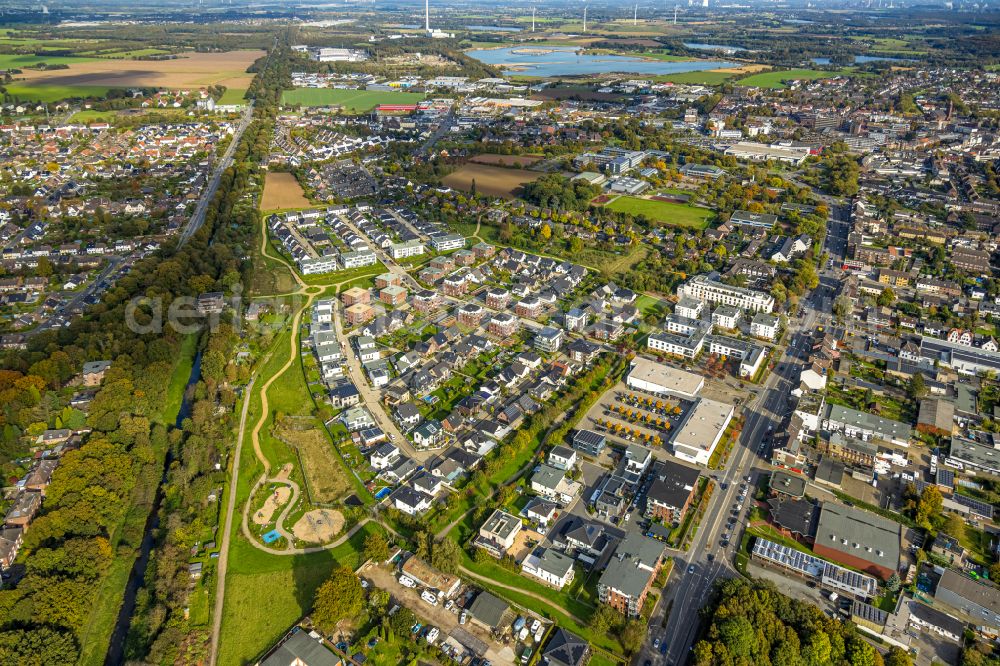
532	19
585	19
635	16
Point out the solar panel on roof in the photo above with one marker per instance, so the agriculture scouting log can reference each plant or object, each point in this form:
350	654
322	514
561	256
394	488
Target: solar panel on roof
976	506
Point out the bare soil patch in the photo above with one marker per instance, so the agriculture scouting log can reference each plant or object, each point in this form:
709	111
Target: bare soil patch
506	160
491	180
281	190
742	69
319	525
195	70
275	501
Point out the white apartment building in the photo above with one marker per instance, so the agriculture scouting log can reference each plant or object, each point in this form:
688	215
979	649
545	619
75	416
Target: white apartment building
701	288
411	248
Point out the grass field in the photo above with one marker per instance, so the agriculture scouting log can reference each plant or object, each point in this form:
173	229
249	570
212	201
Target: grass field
233	96
19	61
92	116
776	79
678	215
707	77
326	478
49	93
353	101
491	180
282	191
266	593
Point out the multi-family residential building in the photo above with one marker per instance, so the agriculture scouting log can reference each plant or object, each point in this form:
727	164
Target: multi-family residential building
702	288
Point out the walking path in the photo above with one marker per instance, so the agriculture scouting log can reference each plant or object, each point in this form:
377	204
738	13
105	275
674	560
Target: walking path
310	292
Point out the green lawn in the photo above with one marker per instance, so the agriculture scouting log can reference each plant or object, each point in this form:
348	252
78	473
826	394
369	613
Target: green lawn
233	96
678	215
647	304
776	78
92	116
353	101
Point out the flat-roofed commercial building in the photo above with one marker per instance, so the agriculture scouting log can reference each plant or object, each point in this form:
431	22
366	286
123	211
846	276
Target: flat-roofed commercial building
696	438
661	379
762	152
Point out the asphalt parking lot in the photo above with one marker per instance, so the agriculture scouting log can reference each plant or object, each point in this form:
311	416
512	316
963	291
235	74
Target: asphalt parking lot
660	412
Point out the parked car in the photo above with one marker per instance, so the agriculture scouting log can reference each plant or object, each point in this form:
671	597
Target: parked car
429	597
432	635
406	581
463	617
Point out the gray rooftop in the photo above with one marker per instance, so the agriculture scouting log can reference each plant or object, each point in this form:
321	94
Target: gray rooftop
859	533
885	428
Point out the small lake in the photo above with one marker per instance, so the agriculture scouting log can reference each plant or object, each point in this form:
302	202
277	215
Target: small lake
564	61
493	28
714	47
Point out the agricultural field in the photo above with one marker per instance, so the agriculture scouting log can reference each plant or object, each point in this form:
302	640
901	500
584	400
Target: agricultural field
352	101
282	191
776	78
506	160
665	212
94	76
48	94
491	180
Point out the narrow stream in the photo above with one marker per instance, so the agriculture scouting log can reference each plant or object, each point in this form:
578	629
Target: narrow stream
136	577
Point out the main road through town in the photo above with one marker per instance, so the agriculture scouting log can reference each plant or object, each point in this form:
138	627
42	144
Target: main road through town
707	560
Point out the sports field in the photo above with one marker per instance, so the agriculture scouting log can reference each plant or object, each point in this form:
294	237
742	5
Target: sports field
353	101
678	215
775	79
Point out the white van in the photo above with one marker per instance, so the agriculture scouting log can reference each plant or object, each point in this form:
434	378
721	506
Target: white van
427	596
406	581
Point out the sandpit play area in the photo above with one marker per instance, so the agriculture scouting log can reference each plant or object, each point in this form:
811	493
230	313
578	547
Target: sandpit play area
319	525
275	501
